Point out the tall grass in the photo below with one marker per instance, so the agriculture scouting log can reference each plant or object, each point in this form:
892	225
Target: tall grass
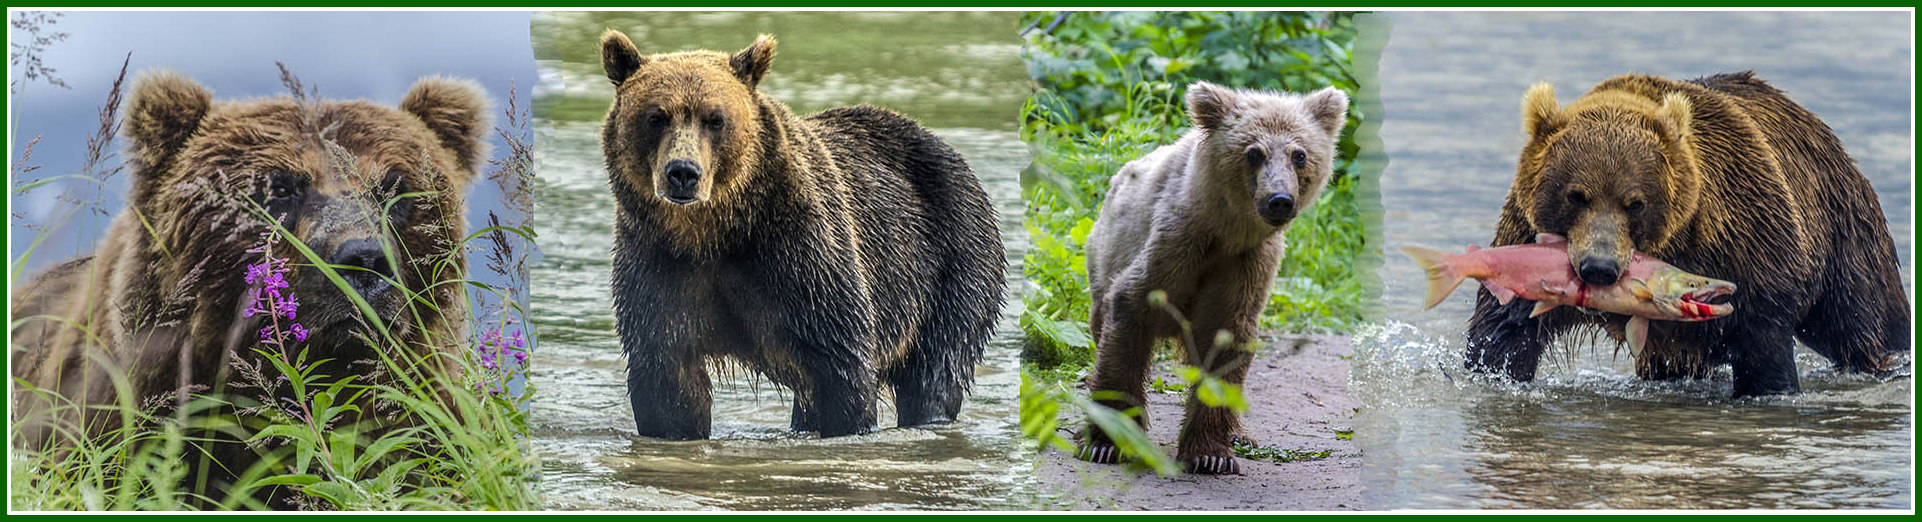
431	425
1110	88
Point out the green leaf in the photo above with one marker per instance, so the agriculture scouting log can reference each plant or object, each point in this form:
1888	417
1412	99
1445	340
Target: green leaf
286	480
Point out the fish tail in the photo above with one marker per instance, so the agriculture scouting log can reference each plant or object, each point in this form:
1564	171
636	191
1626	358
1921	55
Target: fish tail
1443	276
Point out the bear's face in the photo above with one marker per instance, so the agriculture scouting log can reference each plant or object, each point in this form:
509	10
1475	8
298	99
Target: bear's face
684	127
1274	151
1606	176
375	191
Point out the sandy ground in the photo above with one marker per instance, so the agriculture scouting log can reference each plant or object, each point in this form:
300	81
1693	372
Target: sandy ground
1298	393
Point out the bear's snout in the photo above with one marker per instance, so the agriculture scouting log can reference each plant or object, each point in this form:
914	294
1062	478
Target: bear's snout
1277	208
683	179
1599	271
367	268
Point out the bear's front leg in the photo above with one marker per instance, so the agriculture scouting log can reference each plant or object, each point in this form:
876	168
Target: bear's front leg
1208	433
661	334
1123	349
1504	339
1762	353
817	290
671	395
833	345
844	397
1227	307
670	392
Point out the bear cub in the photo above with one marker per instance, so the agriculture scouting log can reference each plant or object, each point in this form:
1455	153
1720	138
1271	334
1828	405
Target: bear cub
1201	220
832	253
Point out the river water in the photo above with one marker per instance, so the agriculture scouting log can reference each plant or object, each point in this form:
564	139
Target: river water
1587	433
958	73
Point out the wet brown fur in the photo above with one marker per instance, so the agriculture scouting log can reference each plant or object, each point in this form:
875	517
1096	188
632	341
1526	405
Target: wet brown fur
833	253
1734	181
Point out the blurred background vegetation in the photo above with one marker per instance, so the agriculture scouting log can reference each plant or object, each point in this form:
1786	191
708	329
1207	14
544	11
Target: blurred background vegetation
1109	87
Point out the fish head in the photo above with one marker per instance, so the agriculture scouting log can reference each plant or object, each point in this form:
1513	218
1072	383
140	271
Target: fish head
1689	297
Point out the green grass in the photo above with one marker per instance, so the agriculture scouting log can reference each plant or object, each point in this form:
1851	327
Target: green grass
1109	89
419	429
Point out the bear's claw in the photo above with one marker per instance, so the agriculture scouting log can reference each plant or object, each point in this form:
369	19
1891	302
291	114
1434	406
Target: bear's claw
1211	465
1098	453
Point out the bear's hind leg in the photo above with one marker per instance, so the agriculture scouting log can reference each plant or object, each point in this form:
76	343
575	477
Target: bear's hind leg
933	379
1861	322
930	384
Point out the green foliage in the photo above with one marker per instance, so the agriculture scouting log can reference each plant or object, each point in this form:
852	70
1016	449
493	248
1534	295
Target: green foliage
1278	455
1110	88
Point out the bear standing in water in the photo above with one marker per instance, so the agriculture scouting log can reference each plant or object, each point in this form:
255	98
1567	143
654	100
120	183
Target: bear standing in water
1202	221
831	253
1722	176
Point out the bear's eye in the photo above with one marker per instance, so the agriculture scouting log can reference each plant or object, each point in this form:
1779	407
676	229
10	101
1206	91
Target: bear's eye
714	122
1577	198
1300	158
1635	205
656	118
391	189
1255	155
283	187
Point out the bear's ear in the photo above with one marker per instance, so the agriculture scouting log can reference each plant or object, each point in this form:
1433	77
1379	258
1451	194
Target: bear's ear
619	58
1675	115
165	110
1210	105
1540	113
1330	108
751	63
456	111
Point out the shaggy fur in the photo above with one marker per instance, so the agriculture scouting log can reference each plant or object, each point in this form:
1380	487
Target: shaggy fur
1722	176
1184	220
161	299
831	253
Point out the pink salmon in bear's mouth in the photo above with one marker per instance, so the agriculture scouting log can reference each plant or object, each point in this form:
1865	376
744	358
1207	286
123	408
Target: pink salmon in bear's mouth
1648	288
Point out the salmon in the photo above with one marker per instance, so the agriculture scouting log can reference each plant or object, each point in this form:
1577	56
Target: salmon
1540	272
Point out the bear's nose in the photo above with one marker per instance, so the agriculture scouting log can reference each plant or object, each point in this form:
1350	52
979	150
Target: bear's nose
367	266
1278	208
682	177
1599	271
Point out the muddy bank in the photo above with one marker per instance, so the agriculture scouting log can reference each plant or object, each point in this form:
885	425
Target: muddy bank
1299	398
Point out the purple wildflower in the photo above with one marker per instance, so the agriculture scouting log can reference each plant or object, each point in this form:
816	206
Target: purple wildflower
300	333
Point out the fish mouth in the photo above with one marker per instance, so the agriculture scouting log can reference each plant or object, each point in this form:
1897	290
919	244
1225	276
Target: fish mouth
1708	303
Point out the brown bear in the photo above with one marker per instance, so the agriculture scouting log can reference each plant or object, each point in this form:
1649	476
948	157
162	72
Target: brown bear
1722	176
1201	220
162	301
831	252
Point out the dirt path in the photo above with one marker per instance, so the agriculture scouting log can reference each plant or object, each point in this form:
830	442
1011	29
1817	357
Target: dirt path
1298	393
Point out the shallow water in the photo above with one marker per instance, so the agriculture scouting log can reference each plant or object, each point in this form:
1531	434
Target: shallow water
960	74
1587	433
